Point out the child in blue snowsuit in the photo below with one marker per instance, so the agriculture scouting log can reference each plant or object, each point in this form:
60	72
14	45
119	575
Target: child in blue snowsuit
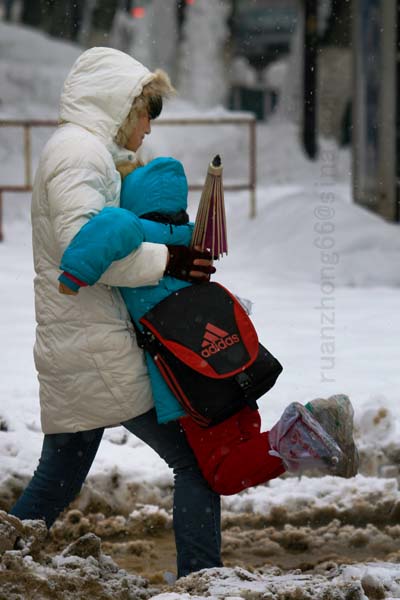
234	454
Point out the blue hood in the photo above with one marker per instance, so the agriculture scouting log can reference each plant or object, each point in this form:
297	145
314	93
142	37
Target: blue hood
160	186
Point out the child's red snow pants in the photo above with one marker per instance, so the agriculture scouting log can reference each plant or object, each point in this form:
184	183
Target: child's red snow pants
233	455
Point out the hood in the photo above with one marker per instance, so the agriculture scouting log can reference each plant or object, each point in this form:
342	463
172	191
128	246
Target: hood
99	90
160	186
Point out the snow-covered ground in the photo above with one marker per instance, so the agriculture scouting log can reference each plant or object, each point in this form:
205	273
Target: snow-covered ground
324	280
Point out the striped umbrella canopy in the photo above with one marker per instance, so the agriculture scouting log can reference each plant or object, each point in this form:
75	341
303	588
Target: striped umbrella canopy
210	224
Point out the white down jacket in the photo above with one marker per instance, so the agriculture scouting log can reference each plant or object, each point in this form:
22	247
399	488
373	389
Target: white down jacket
90	370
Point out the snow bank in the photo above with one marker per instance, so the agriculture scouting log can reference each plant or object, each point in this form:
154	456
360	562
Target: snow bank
342	583
80	571
83	570
301	238
33	67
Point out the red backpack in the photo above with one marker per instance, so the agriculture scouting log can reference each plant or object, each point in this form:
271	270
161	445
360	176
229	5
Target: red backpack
207	350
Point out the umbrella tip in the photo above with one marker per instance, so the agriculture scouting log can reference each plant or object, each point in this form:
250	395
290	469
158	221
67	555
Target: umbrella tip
216	162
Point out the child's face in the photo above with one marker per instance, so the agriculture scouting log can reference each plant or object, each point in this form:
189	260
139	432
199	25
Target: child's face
142	128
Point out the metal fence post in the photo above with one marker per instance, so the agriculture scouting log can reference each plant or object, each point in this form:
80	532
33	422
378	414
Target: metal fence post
253	169
1	216
27	152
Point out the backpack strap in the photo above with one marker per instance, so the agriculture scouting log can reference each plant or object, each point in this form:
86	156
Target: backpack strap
145	340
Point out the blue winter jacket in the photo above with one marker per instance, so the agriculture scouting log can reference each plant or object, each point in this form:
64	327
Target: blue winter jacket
158	187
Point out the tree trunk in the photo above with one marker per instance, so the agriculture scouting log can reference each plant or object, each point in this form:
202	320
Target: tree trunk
339	26
32	13
155	36
202	68
103	14
309	133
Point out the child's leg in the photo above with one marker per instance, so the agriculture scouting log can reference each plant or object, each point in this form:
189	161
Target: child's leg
302	443
336	415
234	454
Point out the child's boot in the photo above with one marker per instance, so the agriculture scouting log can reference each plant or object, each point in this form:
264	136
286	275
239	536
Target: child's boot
336	416
301	442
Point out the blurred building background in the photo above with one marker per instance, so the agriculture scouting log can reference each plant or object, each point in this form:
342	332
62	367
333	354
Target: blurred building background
331	66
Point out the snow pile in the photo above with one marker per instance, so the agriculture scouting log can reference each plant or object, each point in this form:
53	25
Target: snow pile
145	519
301	237
33	67
318	500
80	571
305	546
83	570
359	582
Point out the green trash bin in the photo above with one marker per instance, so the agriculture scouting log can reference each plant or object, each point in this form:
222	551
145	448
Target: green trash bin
258	100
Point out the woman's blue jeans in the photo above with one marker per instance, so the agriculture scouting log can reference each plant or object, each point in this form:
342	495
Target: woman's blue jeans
65	462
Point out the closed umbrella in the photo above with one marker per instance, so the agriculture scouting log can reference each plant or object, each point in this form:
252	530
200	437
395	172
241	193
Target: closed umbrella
210	224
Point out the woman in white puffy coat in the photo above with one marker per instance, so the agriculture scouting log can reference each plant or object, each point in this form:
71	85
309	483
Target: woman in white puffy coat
91	372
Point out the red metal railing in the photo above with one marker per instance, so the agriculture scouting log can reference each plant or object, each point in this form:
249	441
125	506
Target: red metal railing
249	120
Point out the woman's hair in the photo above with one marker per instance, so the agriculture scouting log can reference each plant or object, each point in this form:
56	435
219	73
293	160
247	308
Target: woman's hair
126	166
150	101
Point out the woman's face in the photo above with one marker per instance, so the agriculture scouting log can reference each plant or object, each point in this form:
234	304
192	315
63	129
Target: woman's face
142	128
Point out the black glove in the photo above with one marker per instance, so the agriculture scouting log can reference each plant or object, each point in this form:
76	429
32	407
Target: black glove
181	260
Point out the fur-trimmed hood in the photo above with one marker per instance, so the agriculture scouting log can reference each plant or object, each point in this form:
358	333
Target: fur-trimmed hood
99	91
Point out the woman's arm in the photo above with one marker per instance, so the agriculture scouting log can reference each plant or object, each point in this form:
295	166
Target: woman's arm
110	236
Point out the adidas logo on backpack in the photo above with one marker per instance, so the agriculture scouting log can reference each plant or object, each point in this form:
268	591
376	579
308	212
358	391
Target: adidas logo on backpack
216	339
